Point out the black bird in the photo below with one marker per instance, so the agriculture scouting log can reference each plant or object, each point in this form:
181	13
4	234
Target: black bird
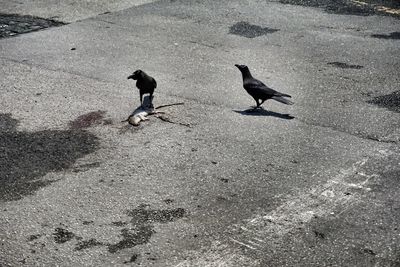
258	90
145	83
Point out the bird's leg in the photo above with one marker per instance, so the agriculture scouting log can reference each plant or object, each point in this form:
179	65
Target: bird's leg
254	108
151	101
262	103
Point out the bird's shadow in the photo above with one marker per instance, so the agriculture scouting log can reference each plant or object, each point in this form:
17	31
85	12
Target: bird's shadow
263	112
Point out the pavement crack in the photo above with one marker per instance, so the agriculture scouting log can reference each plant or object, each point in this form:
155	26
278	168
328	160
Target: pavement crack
358	135
39	66
110	22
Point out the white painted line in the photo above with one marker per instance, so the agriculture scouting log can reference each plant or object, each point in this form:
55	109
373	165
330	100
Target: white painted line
241	243
267	230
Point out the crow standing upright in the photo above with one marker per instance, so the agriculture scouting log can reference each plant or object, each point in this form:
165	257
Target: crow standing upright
258	90
145	83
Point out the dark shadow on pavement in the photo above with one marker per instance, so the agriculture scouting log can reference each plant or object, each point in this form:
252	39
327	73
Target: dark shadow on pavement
27	156
263	112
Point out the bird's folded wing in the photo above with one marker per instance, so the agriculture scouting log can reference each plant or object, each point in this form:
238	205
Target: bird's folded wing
257	86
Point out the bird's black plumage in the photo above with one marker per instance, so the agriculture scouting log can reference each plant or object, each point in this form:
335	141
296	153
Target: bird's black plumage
145	83
258	90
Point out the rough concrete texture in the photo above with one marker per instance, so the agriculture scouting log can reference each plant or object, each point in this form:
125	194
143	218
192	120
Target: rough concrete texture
66	11
313	184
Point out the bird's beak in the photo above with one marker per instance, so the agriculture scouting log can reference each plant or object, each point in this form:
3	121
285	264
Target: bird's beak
236	65
130	77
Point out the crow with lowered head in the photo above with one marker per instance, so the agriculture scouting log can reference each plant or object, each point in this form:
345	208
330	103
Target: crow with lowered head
258	90
145	83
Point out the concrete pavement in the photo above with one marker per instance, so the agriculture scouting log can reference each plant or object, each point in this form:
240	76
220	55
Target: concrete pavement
66	11
232	189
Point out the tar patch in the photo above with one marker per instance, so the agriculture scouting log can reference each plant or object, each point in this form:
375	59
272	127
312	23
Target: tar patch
345	7
14	24
393	35
343	65
390	101
247	30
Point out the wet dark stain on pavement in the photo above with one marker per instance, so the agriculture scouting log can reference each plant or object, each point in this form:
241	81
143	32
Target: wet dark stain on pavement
393	35
107	122
224	180
25	157
143	215
343	65
14	24
143	219
319	234
141	229
88	244
247	30
132	237
390	101
119	223
33	237
345	7
132	259
62	235
168	201
87	120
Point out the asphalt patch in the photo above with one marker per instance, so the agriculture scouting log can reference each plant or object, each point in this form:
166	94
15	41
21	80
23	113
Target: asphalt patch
393	35
14	24
247	30
62	235
343	65
87	120
390	101
25	157
346	7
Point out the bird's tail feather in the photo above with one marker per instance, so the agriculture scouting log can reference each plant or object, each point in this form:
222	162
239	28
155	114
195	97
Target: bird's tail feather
285	95
282	100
